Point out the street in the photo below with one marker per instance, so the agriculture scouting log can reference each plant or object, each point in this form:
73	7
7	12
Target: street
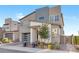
10	51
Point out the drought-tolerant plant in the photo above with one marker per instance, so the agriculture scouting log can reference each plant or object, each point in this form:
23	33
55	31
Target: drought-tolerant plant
0	39
56	45
76	40
50	46
43	32
6	40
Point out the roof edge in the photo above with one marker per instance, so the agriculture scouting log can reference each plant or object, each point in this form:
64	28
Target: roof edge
27	15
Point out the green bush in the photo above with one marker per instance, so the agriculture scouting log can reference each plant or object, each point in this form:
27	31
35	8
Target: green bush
41	44
0	39
43	31
76	40
56	46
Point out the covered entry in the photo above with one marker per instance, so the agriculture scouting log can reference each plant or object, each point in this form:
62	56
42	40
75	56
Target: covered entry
34	31
34	34
34	28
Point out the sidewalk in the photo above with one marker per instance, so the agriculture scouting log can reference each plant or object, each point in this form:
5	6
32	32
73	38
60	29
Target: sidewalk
32	50
20	48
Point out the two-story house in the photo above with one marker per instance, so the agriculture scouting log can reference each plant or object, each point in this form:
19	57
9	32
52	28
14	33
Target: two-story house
11	29
47	15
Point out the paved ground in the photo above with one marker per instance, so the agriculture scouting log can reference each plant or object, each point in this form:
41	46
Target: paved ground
10	51
18	48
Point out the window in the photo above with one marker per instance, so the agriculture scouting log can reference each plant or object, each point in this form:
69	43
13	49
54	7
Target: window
57	18
52	17
41	17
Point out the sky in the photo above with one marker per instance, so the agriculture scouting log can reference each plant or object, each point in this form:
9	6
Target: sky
70	15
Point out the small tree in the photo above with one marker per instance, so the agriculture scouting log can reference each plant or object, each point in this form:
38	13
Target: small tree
43	31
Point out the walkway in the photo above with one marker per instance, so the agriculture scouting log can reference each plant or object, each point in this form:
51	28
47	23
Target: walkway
20	48
31	50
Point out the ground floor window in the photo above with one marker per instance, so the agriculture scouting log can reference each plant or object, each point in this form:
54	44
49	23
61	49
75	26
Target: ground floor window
9	35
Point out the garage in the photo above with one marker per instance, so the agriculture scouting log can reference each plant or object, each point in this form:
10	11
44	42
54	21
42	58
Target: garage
26	37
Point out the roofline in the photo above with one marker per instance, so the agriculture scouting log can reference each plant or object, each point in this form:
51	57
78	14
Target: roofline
27	15
30	13
62	19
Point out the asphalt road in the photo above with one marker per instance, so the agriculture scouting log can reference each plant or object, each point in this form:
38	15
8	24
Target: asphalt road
10	51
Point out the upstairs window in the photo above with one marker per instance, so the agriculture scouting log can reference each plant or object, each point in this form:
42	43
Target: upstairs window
41	18
57	18
52	17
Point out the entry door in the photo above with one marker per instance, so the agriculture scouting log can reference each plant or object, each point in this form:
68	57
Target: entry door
26	37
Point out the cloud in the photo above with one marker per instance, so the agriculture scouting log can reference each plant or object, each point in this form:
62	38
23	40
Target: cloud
19	15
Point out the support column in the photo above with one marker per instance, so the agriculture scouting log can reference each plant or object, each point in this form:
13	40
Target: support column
72	39
13	36
4	35
20	37
50	33
33	35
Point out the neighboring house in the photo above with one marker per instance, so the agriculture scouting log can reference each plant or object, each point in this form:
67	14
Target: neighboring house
1	33
30	25
67	39
11	29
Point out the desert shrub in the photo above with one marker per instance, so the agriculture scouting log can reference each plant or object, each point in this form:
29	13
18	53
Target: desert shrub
76	40
50	46
6	40
56	46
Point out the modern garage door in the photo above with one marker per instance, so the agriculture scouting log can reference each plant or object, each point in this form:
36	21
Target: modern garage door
26	37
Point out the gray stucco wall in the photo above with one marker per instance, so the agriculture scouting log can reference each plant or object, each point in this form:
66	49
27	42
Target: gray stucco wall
42	14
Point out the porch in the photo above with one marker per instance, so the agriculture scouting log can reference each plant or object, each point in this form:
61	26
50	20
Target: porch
34	36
